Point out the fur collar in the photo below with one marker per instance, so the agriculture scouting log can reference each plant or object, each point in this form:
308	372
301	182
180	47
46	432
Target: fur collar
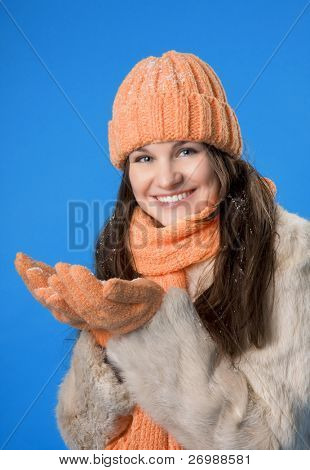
291	245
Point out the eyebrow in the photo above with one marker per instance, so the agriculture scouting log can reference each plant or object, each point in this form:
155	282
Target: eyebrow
175	145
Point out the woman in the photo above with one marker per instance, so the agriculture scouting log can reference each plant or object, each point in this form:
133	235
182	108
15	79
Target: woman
195	329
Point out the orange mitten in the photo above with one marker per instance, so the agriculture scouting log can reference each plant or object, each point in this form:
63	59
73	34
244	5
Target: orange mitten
116	305
76	297
35	275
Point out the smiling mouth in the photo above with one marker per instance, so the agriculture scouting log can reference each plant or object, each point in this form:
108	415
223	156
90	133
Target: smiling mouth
173	200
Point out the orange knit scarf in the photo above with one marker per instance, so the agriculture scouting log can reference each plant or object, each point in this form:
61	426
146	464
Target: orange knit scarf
162	254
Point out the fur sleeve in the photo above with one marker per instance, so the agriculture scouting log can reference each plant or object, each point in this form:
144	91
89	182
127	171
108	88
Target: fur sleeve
93	405
169	367
279	373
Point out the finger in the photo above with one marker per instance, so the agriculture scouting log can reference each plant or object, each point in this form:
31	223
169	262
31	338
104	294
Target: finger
55	282
22	262
73	294
43	293
60	302
60	309
91	287
95	290
55	302
45	267
114	289
52	299
102	313
36	278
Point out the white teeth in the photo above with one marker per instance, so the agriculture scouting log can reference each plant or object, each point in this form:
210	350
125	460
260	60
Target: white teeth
174	198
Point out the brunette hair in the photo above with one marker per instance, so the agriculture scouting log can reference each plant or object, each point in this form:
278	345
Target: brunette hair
234	307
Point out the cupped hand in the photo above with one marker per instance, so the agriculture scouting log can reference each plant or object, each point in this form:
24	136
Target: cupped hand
116	305
36	275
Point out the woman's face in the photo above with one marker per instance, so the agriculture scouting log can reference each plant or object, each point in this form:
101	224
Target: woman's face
172	168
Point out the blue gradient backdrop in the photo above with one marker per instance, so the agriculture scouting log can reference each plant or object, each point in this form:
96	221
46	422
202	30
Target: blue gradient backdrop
61	65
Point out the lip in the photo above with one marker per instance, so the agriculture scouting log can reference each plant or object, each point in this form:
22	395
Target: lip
172	204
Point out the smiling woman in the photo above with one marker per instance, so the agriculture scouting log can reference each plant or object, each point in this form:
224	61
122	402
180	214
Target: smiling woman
177	179
200	280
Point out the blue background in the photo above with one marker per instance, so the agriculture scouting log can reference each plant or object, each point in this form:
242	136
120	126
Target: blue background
62	63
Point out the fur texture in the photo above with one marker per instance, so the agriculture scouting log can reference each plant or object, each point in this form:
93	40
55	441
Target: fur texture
93	406
168	365
279	373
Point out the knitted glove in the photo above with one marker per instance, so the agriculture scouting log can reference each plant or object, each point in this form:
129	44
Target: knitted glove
75	296
94	406
116	305
36	276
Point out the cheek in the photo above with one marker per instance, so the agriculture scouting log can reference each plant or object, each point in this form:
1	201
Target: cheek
200	173
139	182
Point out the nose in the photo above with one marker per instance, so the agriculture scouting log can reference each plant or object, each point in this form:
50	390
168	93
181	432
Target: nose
168	177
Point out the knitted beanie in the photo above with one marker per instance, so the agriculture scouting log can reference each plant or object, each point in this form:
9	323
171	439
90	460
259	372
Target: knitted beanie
176	96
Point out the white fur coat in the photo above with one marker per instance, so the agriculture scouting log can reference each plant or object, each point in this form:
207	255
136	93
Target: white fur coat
168	368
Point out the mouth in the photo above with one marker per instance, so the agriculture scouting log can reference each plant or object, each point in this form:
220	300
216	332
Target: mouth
171	201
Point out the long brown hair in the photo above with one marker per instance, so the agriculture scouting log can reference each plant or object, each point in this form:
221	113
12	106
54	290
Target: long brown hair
234	308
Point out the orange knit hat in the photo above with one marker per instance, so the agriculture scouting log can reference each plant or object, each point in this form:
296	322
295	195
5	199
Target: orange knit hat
173	97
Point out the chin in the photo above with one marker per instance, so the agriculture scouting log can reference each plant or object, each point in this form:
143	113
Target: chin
172	217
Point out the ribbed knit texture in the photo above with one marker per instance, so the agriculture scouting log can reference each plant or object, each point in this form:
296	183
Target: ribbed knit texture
163	257
163	254
176	96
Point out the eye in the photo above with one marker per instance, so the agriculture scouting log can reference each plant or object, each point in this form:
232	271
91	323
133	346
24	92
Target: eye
188	149
138	159
185	149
